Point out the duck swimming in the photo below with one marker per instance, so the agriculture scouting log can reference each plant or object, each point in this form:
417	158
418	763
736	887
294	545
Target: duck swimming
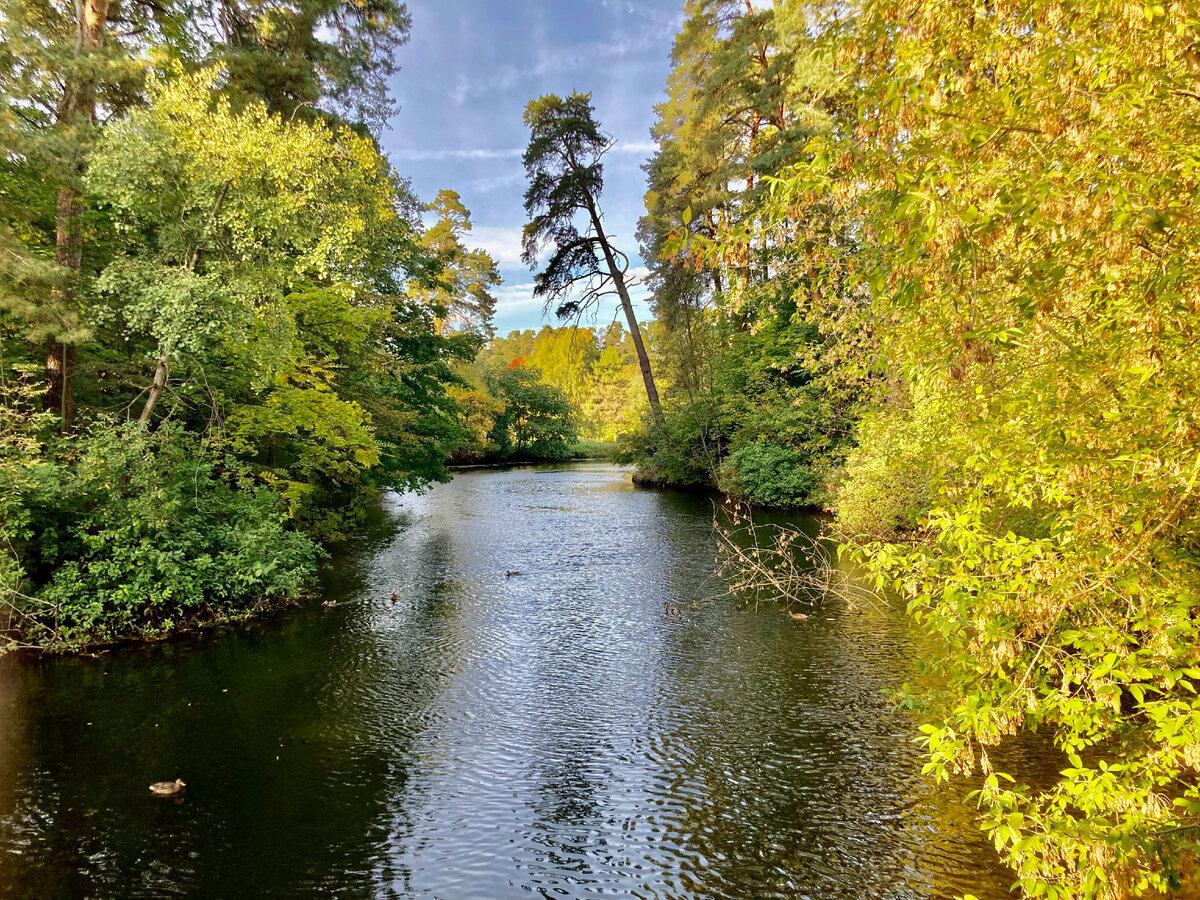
510	574
799	617
671	610
167	788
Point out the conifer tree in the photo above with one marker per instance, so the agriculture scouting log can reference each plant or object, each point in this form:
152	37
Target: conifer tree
566	177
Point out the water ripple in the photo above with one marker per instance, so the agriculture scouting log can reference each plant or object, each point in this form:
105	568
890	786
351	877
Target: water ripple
549	734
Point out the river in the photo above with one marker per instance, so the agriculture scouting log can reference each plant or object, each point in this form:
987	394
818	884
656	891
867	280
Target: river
551	734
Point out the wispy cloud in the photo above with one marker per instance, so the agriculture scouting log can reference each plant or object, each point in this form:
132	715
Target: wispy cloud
494	183
514	298
445	154
502	242
517	298
556	61
480	153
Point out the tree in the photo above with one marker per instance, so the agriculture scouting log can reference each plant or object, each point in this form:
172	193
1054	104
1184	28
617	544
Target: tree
566	178
62	72
565	356
242	206
311	54
1022	179
465	288
68	69
608	393
537	419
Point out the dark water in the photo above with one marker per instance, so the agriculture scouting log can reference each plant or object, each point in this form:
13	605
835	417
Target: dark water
548	735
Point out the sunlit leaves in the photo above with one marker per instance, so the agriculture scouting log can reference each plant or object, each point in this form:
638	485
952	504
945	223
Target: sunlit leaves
1024	180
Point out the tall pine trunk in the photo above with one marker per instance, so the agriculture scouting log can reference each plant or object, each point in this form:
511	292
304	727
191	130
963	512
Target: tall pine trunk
618	277
78	112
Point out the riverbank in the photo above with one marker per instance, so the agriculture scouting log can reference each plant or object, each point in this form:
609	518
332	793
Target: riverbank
653	479
578	452
189	574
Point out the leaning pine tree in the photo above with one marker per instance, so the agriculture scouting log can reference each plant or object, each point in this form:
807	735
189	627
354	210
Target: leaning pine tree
565	181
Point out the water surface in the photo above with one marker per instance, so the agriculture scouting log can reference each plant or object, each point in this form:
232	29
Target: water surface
552	734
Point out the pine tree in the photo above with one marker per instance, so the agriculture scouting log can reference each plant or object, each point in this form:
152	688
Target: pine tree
566	177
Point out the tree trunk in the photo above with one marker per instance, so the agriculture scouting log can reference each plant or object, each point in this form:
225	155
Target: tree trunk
78	107
618	278
157	387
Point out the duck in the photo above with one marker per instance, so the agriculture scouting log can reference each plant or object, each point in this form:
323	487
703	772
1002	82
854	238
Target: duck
510	573
798	617
329	604
168	788
395	598
670	610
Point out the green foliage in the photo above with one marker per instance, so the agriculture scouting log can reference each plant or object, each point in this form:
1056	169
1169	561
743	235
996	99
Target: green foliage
684	451
468	279
753	353
889	485
767	475
253	279
125	533
596	371
331	53
1024	183
537	421
975	226
303	438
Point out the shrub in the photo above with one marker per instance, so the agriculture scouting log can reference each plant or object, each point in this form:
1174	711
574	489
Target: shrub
767	474
138	533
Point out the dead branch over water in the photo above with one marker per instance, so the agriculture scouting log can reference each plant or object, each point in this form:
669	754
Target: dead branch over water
775	563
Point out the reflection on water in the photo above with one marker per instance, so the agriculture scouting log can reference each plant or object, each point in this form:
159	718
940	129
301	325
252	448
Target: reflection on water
552	734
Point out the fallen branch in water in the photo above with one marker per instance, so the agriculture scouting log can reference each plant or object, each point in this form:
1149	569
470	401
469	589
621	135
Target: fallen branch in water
780	563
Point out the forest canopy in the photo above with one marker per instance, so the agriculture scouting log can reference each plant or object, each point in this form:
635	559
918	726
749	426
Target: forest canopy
943	259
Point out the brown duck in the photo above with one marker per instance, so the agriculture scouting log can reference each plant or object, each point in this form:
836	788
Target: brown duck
167	788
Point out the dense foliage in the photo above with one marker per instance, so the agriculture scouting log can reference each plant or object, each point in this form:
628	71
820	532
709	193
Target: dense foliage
754	357
964	237
247	328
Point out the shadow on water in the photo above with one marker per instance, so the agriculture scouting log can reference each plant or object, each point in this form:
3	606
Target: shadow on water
552	734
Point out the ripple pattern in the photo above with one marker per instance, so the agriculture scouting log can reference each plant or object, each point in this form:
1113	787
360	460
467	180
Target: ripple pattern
551	734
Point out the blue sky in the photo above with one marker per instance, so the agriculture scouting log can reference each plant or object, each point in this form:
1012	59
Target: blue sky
465	78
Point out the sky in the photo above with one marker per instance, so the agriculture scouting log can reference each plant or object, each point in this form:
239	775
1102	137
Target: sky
466	74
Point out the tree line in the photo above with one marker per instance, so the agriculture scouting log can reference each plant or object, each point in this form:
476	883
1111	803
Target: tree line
225	321
934	268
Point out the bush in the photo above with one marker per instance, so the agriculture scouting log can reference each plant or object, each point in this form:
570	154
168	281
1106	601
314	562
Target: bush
137	533
766	474
537	421
891	476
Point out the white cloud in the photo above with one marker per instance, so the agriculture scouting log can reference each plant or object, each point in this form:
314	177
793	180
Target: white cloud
635	278
640	147
513	298
553	61
502	242
481	153
494	183
518	298
439	155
